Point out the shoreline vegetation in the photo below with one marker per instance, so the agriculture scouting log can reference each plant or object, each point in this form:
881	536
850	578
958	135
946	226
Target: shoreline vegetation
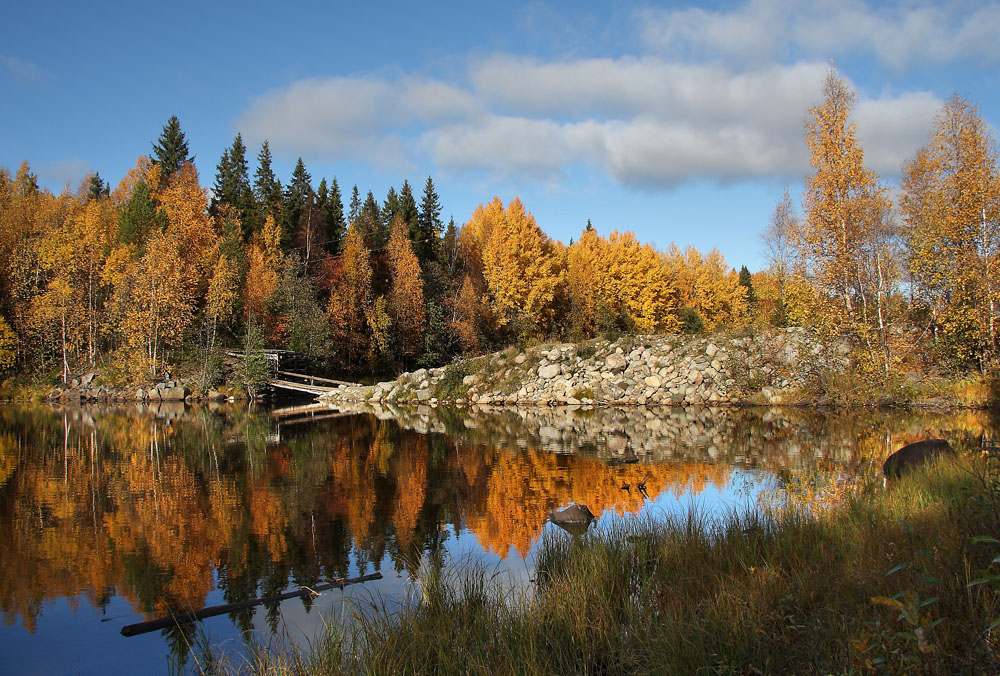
157	274
773	367
861	581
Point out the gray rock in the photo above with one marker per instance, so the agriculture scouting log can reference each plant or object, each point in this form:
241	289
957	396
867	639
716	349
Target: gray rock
550	371
173	393
520	359
423	395
615	362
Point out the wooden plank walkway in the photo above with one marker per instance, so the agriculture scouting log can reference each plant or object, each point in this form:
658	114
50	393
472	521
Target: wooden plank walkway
306	383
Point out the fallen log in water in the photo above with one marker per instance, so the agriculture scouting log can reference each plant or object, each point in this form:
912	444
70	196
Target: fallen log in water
194	615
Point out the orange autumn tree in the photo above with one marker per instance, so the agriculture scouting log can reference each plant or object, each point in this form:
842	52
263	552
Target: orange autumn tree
406	297
708	286
265	264
583	263
847	238
633	282
951	204
524	273
351	303
156	296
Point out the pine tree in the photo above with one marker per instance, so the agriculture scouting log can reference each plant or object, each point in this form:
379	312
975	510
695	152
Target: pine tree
139	216
408	209
171	149
355	205
298	193
369	223
232	187
97	188
335	225
267	187
448	252
224	189
390	208
428	224
746	281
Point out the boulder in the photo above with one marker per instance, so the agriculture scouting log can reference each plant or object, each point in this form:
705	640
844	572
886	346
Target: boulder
615	362
574	519
173	393
915	454
550	371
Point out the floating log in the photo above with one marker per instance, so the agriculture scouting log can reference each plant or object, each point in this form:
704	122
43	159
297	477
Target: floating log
185	617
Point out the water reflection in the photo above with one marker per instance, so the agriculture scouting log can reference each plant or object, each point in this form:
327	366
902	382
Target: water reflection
164	506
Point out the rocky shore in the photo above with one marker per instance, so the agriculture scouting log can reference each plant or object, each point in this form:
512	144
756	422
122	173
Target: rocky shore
83	389
773	367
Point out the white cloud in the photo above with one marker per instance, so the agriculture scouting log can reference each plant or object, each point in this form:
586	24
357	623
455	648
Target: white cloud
647	121
898	36
353	117
891	129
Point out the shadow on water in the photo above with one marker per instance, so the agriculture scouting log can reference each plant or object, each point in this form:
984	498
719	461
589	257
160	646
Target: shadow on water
154	509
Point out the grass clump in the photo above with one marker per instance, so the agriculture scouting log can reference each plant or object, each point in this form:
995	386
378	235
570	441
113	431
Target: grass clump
451	387
877	583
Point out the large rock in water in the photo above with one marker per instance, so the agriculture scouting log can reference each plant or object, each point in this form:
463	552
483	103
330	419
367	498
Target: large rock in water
173	394
915	454
575	519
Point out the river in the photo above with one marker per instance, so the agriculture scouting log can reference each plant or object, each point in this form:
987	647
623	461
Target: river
110	516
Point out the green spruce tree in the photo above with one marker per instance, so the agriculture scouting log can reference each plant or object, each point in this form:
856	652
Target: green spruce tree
336	228
746	281
428	228
139	216
267	188
96	187
298	194
171	150
355	205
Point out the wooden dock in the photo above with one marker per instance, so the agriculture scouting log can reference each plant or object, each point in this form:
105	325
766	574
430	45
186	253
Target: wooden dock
303	382
280	361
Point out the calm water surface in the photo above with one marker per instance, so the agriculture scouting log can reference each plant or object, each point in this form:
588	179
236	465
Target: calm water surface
112	516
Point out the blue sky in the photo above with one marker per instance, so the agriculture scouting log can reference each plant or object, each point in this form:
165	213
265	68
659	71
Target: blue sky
681	122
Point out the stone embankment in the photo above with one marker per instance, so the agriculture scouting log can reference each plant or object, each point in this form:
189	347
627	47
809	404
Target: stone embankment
84	388
773	367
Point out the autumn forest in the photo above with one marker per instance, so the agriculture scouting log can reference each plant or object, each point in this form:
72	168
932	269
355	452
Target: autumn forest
159	270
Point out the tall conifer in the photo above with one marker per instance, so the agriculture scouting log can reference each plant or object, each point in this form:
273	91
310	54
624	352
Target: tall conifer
171	150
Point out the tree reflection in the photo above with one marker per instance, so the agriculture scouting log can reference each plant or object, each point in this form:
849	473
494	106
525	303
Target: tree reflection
161	506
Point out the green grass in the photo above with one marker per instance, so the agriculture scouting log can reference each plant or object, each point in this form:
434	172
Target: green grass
877	584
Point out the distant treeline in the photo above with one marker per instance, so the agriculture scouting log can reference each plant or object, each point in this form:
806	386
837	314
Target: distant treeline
154	271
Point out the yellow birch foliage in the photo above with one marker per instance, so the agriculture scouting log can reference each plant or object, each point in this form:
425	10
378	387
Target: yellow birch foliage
707	285
466	312
632	280
185	203
846	239
351	299
265	264
406	298
951	204
521	266
223	293
8	346
583	263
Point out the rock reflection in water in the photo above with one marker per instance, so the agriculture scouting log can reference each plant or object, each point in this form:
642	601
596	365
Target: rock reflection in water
161	506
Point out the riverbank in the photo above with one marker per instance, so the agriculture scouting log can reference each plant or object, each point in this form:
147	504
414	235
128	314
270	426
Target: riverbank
776	367
885	581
